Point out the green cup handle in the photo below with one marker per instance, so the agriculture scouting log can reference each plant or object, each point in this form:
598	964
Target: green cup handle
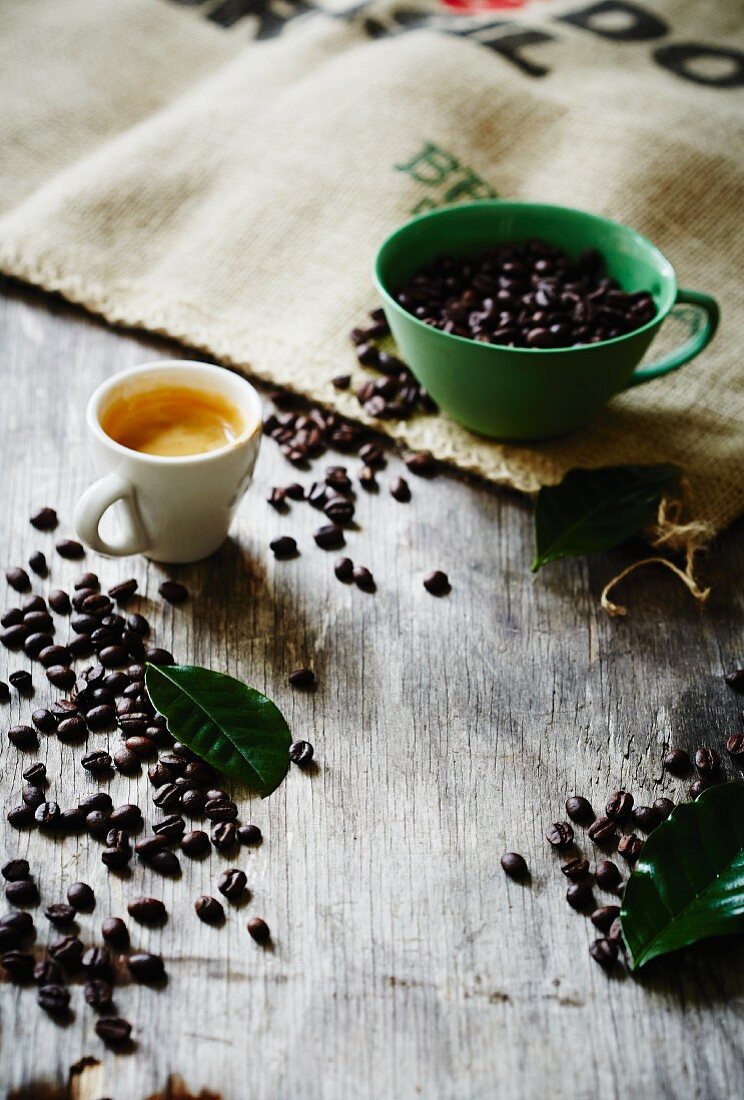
700	338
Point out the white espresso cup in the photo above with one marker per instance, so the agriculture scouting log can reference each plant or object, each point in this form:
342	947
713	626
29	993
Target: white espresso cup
172	509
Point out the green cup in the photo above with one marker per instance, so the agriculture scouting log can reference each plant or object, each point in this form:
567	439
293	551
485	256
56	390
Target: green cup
529	393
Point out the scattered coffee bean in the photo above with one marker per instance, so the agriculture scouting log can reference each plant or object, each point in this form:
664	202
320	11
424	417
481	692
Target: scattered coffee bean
18	965
400	490
67	952
344	569
171	827
363	579
123	591
619	805
696	789
301	753
604	952
4	692
209	910
575	869
69	548
367	479
195	843
232	884
677	762
81	897
46	815
193	802
735	679
707	762
53	998
116	859
579	895
59	913
12	617
113	656
115	933
436	582
663	807
33	796
147	910
303	678
36	774
22	892
735	747
59	601
559	834
514	865
113	1030
259	930
48	972
96	960
607	874
249	835
14	637
604	917
20	816
126	761
45	519
225	835
72	729
61	677
157	656
329	537
603	831
23	737
21	681
579	809
99	800
340	510
15	870
629	847
283	547
127	816
145	967
173	592
38	563
100	717
98	994
18	579
341	381
165	863
646	818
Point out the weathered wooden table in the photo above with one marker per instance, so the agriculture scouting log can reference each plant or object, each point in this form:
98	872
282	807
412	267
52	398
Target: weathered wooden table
405	963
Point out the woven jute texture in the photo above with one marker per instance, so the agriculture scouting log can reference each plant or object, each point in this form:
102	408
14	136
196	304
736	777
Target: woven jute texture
229	186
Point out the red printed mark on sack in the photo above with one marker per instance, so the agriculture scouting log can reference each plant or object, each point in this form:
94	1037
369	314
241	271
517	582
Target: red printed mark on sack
440	170
470	6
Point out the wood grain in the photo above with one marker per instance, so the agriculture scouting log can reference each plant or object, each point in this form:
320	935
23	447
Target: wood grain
446	730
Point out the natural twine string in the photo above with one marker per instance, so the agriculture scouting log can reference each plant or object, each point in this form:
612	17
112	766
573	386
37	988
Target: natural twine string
687	538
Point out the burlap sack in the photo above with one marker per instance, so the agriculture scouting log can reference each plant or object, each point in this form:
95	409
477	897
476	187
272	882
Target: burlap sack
228	185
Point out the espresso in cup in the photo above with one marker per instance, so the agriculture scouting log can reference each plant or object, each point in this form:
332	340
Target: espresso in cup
173	421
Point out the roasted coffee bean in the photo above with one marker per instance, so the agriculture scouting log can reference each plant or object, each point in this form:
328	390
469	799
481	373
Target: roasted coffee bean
18	579
220	809
575	869
168	796
283	547
341	381
147	910
48	972
663	807
629	847
301	753
45	519
33	796
71	820
199	773
421	463
80	645
645	818
232	884
367	479
127	816
118	838
148	845
59	601
15	870
4	692
436	582
81	897
677	762
249	835
14	636
115	682
340	510
55	655
619	805
400	490
707	762
735	679
116	859
100	717
607	874
165	863
72	729
123	591
559	834
61	677
59	913
735	747
21	681
514	865
115	933
98	994
317	494
193	802
209	910
46	815
23	737
329	537
696	789
96	604
21	923
579	895
99	800
173	592
126	761
579	809
145	967
12	617
63	708
85	624
20	816
67	952
604	952
195	843
216	793
160	774
604	917
22	892
88	581
277	498
142	747
159	656
113	656
113	1030
303	678
18	965
344	569
171	827
259	930
36	774
139	624
225	835
603	831
133	644
96	960
97	823
38	563
32	604
363	579
133	724
69	548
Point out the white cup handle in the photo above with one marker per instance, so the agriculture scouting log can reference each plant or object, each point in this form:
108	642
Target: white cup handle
90	509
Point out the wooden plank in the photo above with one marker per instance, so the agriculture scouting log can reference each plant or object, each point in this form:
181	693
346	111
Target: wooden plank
446	730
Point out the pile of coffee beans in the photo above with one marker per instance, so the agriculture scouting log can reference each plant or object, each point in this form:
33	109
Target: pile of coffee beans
525	295
105	696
